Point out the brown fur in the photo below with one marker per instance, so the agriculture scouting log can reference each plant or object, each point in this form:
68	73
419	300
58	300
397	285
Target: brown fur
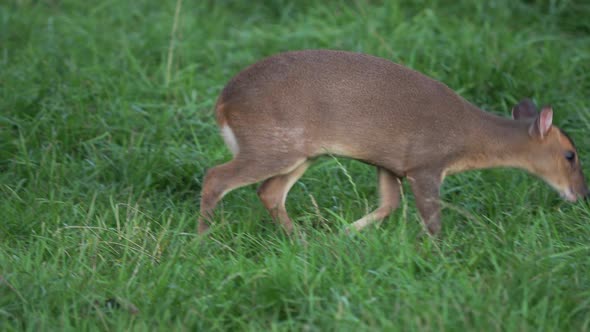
289	108
219	114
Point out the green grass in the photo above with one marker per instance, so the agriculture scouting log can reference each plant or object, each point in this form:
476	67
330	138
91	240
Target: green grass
106	132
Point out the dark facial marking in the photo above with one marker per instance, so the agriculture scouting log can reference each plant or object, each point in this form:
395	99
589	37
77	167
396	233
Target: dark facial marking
568	137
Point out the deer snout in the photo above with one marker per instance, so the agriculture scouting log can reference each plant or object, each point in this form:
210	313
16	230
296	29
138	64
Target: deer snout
575	193
579	187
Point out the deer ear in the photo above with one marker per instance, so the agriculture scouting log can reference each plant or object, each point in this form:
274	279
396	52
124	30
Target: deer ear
543	123
526	109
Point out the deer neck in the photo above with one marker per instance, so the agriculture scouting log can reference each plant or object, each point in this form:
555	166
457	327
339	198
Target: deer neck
492	141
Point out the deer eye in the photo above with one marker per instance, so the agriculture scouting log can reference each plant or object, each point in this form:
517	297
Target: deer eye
570	156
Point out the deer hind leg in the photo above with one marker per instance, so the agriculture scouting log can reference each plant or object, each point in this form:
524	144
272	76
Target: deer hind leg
389	195
238	173
273	193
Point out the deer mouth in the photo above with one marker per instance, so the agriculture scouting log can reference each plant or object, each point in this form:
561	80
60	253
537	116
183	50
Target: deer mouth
568	195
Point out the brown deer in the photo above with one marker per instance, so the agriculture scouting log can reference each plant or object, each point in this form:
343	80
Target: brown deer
277	115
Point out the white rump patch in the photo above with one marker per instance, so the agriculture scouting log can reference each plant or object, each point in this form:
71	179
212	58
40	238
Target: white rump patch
230	139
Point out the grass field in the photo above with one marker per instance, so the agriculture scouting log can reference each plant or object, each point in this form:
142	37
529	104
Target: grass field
106	130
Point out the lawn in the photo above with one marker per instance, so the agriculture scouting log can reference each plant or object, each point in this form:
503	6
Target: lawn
107	128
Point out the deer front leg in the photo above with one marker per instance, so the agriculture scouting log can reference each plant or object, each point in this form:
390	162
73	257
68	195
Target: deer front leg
426	188
389	195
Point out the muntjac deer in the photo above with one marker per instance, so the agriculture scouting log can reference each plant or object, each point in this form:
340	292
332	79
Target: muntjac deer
277	115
